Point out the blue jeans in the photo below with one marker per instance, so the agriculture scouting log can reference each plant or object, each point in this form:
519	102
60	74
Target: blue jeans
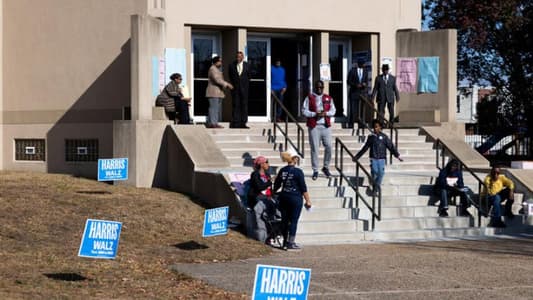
377	169
495	201
451	192
279	110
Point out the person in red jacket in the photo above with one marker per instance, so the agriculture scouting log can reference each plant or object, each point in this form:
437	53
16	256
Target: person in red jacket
318	108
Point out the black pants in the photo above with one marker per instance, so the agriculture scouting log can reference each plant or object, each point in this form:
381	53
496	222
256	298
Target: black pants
353	109
381	110
240	109
182	108
291	208
171	115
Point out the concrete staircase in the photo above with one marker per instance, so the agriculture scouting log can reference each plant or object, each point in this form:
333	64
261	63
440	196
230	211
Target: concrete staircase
408	211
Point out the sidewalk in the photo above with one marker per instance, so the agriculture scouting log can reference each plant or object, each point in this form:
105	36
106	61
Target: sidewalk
461	269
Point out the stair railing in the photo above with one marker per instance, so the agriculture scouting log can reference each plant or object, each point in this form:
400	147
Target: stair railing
298	145
386	124
482	207
375	205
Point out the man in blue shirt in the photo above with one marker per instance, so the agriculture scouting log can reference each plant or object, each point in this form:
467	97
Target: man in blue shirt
278	85
378	143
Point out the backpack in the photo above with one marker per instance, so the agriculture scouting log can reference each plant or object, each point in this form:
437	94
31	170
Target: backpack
242	189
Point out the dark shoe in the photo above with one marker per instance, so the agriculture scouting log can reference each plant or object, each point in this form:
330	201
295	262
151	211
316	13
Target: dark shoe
218	126
280	120
326	172
315	175
464	213
443	213
497	224
293	247
245	127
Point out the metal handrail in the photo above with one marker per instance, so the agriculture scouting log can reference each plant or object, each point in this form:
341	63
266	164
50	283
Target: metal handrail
340	148
393	129
439	145
299	147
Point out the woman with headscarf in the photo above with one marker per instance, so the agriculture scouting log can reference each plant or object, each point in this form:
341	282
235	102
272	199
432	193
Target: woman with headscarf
293	188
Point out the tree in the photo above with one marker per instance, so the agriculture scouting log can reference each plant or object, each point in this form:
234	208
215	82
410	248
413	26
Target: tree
495	44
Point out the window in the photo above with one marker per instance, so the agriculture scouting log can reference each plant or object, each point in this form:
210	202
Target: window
81	150
30	149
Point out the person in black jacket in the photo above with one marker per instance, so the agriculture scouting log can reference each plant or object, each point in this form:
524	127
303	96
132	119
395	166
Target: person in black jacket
239	76
260	182
450	183
292	183
378	143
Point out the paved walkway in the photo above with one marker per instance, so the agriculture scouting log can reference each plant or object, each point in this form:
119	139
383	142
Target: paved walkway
499	268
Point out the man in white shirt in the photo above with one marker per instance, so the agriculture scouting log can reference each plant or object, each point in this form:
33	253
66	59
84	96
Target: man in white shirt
318	108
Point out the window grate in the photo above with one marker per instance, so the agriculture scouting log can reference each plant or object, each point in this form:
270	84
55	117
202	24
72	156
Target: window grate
81	150
30	149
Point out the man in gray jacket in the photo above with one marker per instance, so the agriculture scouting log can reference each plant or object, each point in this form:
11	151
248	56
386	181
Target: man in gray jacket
386	91
215	92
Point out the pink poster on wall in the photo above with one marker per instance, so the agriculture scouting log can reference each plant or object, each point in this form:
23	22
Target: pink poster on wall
406	79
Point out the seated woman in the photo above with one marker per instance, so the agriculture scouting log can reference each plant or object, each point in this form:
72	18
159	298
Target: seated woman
498	188
450	184
260	197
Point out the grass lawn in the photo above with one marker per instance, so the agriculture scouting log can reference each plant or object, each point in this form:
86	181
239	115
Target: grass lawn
42	220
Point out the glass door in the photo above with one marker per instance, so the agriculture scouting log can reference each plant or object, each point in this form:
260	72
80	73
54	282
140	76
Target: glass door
204	47
338	59
258	57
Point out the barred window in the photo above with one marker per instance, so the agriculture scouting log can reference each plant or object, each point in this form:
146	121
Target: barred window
81	150
30	149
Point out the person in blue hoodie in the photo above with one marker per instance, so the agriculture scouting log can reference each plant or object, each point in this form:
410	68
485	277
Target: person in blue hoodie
449	184
278	85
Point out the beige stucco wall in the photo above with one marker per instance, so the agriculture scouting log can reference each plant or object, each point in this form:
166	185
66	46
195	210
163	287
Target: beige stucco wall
441	43
66	66
383	17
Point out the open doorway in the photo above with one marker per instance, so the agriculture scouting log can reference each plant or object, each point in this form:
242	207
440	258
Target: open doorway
295	58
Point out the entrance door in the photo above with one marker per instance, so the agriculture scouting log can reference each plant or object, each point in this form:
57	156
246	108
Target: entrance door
204	47
338	59
259	93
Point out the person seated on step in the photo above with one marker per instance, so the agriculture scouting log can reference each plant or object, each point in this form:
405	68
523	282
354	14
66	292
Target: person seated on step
498	188
450	184
259	196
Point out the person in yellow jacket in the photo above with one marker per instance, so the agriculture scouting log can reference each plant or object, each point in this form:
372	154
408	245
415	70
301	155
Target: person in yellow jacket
498	188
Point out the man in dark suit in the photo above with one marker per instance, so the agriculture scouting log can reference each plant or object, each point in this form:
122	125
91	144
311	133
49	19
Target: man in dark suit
387	93
357	81
239	75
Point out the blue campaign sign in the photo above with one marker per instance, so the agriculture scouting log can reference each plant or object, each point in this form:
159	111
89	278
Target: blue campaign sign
216	221
112	169
284	283
100	239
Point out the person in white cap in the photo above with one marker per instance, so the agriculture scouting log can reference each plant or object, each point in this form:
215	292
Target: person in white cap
292	183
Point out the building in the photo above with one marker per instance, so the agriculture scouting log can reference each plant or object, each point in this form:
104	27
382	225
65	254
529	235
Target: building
72	68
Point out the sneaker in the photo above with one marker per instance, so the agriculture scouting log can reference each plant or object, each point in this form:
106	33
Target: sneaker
443	213
315	175
326	172
293	247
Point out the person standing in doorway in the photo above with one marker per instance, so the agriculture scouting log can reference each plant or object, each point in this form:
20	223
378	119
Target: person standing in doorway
378	143
357	81
318	108
239	77
215	92
387	93
278	86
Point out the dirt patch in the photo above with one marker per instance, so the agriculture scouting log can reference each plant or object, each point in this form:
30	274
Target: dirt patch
43	216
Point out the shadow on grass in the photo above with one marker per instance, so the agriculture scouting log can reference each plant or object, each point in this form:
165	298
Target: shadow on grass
190	245
65	276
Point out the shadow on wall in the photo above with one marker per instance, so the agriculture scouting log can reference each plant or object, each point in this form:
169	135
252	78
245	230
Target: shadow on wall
89	121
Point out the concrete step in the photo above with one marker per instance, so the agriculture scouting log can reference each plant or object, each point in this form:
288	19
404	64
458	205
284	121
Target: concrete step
437	233
421	223
339	226
326	214
329	238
